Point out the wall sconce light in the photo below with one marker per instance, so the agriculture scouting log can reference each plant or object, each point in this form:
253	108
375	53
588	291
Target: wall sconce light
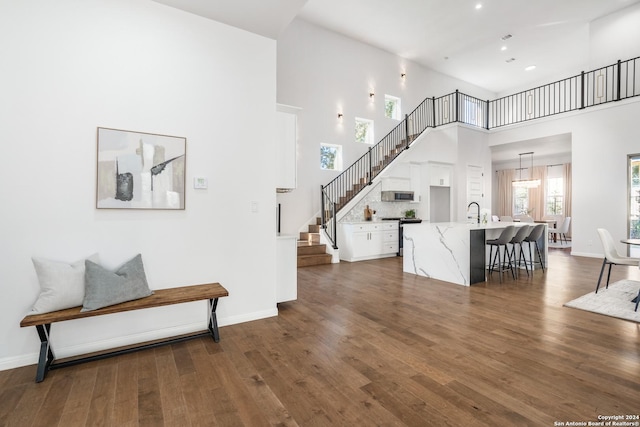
340	115
403	75
371	95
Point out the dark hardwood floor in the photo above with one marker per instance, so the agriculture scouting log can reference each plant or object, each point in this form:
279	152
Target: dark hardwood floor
366	344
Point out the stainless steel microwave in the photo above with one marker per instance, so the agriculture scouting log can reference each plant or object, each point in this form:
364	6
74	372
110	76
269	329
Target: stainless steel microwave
397	196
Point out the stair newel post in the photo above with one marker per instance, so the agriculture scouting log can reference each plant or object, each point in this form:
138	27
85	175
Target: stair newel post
323	220
433	111
486	115
370	178
406	128
619	77
335	226
456	106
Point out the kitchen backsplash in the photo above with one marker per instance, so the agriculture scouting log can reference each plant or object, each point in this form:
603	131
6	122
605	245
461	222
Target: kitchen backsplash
383	209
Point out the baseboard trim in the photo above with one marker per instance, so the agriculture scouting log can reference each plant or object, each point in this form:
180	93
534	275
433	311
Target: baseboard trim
63	352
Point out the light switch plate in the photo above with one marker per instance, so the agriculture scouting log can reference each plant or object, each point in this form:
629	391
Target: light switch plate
200	183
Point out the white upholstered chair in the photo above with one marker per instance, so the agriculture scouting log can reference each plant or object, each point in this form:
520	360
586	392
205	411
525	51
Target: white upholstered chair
506	218
562	230
611	256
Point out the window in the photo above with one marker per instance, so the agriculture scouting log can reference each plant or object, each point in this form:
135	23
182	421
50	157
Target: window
555	196
520	200
364	131
331	157
392	107
633	209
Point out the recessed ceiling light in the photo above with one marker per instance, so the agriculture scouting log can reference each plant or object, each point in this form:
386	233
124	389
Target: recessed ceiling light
478	6
530	67
503	48
510	59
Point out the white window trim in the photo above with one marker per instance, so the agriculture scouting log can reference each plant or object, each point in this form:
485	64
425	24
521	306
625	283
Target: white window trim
337	163
397	111
369	134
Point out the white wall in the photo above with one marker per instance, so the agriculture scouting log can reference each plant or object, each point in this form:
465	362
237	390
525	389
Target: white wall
615	37
325	73
69	67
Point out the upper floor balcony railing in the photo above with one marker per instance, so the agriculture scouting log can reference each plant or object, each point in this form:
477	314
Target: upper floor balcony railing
607	84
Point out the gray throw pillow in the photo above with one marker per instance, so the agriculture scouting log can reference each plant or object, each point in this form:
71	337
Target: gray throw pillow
104	287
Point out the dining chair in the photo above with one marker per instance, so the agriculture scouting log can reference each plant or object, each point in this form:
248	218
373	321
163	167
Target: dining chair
534	235
561	231
611	256
502	241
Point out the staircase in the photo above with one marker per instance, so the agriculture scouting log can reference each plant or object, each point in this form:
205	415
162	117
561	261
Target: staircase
310	250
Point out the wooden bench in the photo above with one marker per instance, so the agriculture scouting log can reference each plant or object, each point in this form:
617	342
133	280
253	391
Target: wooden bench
161	297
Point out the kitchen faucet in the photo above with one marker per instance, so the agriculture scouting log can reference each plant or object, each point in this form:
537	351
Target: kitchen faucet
469	207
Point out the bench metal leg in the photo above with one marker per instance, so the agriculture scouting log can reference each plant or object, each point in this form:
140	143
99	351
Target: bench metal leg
46	354
213	319
46	360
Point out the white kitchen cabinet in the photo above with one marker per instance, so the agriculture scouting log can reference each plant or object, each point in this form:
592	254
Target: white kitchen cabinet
440	175
286	268
395	184
286	151
360	241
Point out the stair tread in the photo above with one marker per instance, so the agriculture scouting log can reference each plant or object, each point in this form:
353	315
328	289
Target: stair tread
316	259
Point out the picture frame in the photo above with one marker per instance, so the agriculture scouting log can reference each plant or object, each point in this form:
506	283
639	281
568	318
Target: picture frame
138	170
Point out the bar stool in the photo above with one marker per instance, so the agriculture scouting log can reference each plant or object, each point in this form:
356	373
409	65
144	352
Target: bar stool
521	234
505	238
533	237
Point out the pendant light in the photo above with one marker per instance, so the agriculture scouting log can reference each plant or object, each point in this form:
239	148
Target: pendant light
526	183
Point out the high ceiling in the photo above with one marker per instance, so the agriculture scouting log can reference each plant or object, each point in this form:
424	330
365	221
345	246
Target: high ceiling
459	39
454	37
450	36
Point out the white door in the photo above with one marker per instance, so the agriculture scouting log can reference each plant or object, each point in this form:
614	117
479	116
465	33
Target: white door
475	187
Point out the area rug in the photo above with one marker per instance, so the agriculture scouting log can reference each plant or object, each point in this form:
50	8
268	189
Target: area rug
614	301
561	245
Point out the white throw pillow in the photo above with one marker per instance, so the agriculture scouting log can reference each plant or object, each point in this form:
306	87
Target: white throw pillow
61	284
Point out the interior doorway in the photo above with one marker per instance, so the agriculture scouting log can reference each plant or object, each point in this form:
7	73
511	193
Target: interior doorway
440	204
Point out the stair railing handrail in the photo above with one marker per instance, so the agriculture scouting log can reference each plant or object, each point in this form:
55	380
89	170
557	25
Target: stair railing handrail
330	226
369	165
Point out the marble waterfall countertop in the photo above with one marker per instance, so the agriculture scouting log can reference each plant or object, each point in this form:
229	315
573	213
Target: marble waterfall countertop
452	251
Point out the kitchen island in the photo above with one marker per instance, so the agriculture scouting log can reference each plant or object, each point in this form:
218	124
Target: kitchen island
456	252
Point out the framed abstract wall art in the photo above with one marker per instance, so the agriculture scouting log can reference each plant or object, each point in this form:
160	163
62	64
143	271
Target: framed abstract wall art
138	170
